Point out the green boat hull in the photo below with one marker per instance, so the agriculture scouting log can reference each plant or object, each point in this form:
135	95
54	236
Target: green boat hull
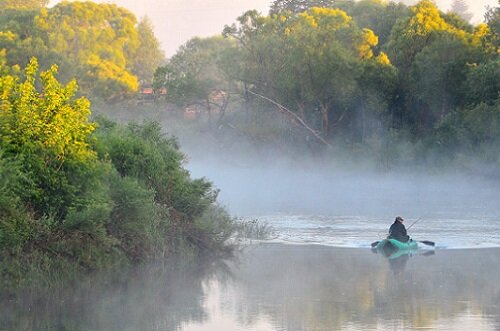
393	247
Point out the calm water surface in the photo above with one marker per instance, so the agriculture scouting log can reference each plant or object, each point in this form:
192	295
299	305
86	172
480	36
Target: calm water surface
316	273
282	287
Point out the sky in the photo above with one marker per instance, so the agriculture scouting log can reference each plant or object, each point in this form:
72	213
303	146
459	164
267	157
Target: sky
177	21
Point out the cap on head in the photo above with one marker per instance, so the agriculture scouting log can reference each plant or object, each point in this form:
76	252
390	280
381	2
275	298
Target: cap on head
399	219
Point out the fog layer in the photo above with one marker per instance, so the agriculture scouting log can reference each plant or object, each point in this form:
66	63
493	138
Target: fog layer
273	186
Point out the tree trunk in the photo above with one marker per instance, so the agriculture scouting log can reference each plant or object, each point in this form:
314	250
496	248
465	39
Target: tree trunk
222	109
325	125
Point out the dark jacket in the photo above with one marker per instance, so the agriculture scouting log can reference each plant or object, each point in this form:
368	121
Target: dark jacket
398	231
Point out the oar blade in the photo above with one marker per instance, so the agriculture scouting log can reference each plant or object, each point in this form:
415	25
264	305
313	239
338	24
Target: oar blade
374	244
428	243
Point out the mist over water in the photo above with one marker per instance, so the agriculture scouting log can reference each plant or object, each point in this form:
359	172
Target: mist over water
350	206
264	188
316	272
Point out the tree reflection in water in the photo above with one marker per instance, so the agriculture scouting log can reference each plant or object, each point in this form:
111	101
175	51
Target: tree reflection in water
148	298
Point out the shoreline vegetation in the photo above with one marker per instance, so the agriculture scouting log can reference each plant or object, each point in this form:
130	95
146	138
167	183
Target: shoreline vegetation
79	196
370	82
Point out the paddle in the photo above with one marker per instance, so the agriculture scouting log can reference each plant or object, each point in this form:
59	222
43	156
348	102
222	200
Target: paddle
375	244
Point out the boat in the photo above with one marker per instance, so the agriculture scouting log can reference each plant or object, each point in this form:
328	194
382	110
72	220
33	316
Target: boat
393	248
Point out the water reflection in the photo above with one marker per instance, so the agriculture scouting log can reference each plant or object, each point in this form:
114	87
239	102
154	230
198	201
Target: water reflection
319	288
149	298
279	287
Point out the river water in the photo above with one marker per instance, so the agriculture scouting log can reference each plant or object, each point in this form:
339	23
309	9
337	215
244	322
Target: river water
316	271
275	287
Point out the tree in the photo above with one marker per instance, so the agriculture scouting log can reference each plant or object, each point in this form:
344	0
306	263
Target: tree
378	16
50	132
460	8
195	75
483	83
102	44
19	36
23	4
492	18
97	40
438	75
409	36
432	55
148	56
299	6
309	62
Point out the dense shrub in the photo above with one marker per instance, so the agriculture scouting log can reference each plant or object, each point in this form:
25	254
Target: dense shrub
78	200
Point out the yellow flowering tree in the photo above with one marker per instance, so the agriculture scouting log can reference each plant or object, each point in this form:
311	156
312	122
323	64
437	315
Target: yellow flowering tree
49	131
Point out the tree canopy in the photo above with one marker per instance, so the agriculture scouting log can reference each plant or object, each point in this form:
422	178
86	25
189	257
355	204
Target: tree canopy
101	44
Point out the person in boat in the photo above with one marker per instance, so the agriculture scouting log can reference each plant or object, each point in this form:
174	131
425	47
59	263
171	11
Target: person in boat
398	231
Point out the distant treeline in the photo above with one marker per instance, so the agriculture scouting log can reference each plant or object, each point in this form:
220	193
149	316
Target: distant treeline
395	81
367	74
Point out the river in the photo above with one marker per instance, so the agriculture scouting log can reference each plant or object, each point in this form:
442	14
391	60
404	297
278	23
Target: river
274	287
316	271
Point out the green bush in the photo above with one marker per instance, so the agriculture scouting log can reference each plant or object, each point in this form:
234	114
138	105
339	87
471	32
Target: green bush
470	130
212	229
135	218
142	152
15	229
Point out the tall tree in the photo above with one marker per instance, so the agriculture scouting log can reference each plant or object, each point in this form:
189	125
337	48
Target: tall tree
461	8
313	65
432	75
101	44
97	39
492	18
148	55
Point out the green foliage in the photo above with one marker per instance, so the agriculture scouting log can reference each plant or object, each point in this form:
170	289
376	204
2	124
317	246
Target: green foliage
135	219
212	230
23	4
492	18
97	40
70	196
148	56
195	72
144	153
101	44
299	6
15	229
483	83
469	129
49	132
312	63
378	16
438	75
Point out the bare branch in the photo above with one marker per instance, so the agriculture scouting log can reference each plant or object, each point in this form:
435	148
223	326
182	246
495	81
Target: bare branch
294	116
